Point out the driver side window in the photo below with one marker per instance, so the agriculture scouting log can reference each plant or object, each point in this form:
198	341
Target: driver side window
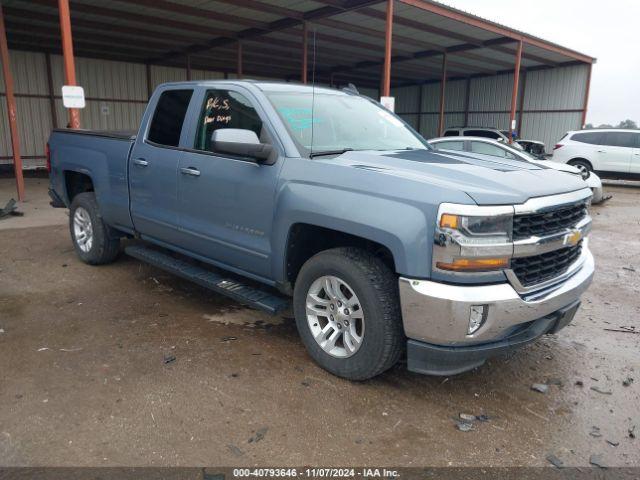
226	109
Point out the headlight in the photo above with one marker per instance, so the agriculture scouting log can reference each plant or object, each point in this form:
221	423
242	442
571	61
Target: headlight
470	242
497	227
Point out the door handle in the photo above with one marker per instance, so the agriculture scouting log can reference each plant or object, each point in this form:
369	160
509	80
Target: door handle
141	162
602	151
190	171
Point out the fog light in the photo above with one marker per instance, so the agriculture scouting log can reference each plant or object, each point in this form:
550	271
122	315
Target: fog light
477	316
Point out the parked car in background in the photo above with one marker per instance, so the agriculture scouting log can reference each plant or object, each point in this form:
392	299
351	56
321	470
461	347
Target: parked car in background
534	147
493	148
613	153
484	132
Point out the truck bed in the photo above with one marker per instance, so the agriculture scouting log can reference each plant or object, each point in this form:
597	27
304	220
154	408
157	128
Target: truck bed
101	155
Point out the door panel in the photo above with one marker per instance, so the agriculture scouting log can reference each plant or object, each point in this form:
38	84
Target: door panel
635	155
153	166
226	210
154	191
226	203
615	152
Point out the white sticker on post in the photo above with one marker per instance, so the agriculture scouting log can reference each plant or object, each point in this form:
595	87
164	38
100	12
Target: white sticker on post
389	103
513	124
73	96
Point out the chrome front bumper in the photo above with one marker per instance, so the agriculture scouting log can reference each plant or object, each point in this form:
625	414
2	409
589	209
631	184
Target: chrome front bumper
438	313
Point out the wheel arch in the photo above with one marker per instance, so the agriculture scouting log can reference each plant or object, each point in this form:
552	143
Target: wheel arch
306	240
581	159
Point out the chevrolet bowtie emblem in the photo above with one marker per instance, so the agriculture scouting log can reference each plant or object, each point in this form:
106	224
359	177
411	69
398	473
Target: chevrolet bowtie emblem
573	238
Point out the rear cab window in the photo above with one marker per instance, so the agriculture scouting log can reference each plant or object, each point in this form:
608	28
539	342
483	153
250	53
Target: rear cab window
452	133
168	118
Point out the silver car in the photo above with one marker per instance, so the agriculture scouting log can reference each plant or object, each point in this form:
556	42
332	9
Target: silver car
494	148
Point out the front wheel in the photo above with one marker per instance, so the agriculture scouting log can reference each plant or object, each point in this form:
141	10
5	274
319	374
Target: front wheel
584	167
347	312
94	241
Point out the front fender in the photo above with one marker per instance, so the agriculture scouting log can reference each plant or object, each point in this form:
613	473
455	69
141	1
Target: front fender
401	227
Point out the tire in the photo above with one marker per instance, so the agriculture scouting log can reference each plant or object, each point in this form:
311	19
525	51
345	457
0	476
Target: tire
100	244
581	164
375	290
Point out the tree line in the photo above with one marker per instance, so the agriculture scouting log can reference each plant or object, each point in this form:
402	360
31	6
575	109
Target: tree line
623	124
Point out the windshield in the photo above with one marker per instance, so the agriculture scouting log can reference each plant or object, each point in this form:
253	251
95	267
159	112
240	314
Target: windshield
342	122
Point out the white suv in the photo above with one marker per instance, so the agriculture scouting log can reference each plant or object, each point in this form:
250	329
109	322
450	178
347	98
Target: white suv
484	132
613	153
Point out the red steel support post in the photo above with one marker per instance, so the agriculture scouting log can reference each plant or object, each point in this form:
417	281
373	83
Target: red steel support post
305	48
11	108
67	53
521	102
386	75
239	61
514	93
586	97
443	86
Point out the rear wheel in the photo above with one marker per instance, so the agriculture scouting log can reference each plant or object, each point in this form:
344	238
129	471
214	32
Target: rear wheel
94	241
347	311
583	165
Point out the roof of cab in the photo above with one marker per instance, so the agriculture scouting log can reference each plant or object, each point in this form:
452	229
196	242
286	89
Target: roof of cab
264	85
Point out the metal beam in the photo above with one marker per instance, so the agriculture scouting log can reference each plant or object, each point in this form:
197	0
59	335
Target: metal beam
443	86
185	9
67	54
11	108
586	97
523	90
277	25
388	37
486	25
514	92
95	26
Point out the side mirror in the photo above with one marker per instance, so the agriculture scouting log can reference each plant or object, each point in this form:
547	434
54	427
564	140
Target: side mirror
241	142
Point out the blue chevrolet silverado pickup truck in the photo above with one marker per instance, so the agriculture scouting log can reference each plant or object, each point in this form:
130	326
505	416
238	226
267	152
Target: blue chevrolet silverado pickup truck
280	194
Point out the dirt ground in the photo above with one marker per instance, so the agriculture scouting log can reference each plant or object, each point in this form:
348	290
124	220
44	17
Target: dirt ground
126	365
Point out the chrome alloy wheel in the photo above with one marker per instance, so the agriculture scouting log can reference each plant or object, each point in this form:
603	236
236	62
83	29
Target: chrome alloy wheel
83	229
335	316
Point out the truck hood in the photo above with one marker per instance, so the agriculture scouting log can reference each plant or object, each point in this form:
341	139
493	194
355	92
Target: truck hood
488	182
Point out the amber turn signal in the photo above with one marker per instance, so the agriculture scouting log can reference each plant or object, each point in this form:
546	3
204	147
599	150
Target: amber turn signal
449	221
474	264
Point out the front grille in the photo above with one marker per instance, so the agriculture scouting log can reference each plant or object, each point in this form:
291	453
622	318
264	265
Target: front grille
541	224
540	268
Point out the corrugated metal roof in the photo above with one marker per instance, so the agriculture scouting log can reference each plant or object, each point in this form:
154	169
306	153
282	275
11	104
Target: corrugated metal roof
348	39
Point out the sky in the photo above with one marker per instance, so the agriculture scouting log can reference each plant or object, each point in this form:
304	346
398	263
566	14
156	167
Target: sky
605	30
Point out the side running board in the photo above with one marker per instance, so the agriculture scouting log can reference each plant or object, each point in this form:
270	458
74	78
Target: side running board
247	295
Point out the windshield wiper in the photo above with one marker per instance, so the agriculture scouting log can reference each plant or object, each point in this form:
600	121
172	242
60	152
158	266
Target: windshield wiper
329	152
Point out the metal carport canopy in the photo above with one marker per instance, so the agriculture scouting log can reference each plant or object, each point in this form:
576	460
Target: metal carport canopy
371	43
350	37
